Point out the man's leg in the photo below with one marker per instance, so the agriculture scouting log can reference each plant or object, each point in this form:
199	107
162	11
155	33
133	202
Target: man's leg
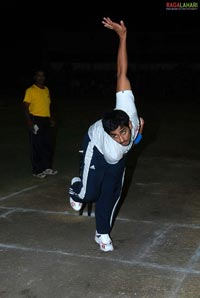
87	187
109	198
107	203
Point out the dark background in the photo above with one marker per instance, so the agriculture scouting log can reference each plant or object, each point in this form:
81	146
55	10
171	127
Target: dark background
65	37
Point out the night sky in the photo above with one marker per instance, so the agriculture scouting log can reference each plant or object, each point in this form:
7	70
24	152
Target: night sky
83	16
25	27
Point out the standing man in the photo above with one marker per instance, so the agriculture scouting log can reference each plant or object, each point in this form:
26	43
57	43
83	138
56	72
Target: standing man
105	147
38	113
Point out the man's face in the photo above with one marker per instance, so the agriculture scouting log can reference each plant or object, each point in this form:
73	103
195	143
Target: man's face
40	77
122	135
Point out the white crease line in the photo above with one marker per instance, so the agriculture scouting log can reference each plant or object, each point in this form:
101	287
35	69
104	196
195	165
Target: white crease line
85	214
117	260
24	210
193	261
4	215
158	239
181	225
27	189
18	192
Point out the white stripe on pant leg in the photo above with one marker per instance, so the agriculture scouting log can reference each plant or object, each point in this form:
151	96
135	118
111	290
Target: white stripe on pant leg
86	167
112	214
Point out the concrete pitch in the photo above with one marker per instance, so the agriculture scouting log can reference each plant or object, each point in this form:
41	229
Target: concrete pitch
48	251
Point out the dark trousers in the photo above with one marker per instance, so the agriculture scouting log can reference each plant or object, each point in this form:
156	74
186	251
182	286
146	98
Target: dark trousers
41	145
100	183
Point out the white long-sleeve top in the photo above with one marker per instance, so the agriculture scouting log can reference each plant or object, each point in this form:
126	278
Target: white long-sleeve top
112	150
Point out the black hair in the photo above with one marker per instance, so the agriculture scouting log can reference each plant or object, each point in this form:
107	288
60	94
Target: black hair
114	119
36	70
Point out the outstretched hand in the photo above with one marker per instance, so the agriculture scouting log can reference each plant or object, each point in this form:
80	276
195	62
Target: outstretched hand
119	28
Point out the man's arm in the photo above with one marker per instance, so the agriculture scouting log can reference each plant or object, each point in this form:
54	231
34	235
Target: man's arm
139	136
141	125
27	114
31	126
123	82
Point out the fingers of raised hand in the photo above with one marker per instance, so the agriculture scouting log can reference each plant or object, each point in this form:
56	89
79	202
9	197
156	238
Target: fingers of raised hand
107	23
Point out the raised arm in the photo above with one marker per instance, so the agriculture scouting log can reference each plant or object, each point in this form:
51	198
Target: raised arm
123	82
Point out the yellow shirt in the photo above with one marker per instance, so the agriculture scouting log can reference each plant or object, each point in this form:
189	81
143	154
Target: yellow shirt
39	100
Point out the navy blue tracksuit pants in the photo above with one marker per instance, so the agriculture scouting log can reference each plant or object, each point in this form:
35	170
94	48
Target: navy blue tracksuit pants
101	183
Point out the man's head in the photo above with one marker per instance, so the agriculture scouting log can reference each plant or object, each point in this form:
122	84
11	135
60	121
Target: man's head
118	125
39	77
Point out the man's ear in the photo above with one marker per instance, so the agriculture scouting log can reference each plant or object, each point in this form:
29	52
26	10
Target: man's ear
130	125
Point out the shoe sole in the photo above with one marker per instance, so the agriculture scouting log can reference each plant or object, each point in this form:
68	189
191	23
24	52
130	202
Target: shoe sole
50	173
75	179
40	177
75	205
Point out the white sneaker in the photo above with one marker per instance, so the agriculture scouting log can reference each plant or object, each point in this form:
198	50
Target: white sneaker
50	172
75	179
75	205
40	175
104	242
